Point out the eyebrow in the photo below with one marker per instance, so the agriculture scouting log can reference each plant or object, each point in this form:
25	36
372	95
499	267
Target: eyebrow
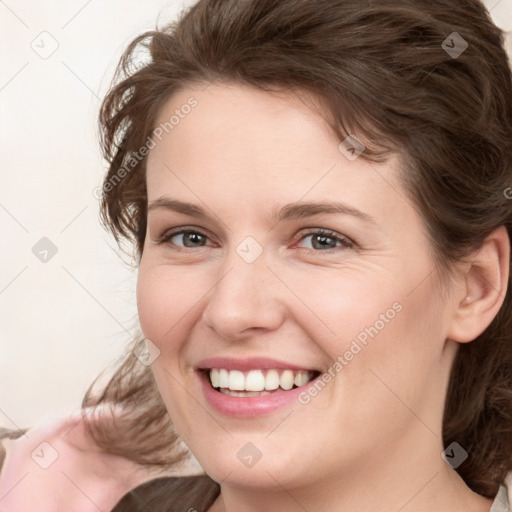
177	206
298	210
301	210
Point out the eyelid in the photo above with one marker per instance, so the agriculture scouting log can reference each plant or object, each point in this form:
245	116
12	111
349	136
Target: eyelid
345	241
168	234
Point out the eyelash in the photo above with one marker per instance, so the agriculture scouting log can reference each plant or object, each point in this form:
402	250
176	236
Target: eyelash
344	242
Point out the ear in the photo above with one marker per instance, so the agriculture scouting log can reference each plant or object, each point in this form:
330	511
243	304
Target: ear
482	287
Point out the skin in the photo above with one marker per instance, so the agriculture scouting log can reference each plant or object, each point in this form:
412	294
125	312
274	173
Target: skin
240	155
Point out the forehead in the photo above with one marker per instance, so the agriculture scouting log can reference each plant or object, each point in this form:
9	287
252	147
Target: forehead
241	122
237	141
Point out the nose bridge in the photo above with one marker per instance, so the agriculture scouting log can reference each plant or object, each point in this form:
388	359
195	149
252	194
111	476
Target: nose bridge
244	297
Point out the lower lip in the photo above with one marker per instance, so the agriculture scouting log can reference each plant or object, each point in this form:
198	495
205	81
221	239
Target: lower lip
247	406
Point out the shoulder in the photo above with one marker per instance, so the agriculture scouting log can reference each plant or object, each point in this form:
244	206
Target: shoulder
56	467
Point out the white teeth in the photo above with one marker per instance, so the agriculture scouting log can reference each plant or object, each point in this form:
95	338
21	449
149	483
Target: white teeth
301	378
236	380
244	393
223	379
272	380
286	380
257	382
214	377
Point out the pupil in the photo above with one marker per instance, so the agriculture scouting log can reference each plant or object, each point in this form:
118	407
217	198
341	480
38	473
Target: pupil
322	242
192	239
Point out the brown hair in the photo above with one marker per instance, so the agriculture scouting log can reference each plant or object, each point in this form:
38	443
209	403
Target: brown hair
386	71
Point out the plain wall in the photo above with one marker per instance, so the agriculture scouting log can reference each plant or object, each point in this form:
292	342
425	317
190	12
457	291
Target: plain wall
65	319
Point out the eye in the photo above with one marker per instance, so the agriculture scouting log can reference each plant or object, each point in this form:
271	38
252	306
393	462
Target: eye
323	240
187	238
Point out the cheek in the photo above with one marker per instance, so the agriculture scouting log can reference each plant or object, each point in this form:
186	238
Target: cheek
165	303
373	320
337	307
381	363
395	358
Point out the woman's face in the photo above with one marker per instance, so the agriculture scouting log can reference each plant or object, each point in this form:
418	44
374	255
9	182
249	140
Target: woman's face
272	250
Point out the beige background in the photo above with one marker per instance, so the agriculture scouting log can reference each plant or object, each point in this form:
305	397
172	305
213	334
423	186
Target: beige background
63	321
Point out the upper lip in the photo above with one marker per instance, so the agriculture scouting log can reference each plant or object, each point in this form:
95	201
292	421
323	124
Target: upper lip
253	363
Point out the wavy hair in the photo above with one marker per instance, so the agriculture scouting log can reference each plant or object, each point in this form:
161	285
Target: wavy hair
390	72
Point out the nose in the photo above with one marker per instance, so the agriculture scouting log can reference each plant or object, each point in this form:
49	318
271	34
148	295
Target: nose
245	301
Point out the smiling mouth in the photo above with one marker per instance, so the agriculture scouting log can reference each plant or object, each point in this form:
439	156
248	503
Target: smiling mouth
257	382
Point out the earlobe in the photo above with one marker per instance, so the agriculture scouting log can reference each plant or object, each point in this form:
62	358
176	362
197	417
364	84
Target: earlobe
483	287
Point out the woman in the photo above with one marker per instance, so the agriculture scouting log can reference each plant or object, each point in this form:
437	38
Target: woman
319	198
